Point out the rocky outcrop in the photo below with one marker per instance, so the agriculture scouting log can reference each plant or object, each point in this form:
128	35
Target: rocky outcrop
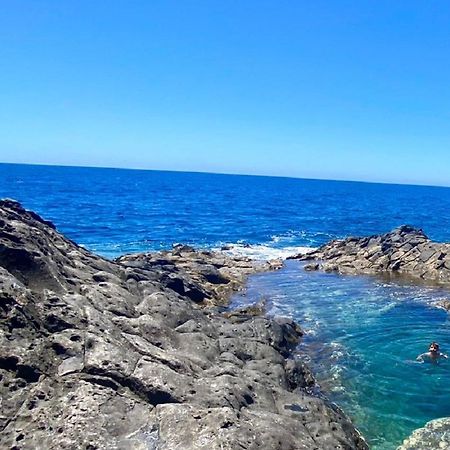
443	304
205	277
434	435
405	251
136	354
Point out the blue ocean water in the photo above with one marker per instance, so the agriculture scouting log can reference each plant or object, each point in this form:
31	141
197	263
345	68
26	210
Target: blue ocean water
362	333
114	211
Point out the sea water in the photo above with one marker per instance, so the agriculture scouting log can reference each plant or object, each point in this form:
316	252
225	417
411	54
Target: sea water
114	211
362	333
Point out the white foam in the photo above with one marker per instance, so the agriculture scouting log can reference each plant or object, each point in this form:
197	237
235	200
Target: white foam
261	252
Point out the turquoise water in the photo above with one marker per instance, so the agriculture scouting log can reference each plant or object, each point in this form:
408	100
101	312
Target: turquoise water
362	337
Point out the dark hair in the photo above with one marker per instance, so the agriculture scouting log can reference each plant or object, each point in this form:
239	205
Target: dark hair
435	344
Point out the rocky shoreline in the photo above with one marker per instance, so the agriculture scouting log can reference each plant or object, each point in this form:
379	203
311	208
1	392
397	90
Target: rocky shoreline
404	254
434	435
138	353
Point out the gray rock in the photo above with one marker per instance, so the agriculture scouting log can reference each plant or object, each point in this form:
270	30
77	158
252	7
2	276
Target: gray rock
435	435
136	353
444	304
312	266
405	252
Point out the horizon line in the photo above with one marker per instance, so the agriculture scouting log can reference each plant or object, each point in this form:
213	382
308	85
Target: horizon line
394	183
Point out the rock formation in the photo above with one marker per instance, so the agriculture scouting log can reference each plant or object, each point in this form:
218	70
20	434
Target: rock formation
137	354
405	251
434	435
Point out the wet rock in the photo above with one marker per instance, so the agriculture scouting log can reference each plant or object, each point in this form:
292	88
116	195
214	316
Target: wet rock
298	375
435	435
444	304
311	267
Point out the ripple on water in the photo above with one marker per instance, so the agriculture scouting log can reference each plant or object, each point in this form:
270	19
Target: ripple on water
362	337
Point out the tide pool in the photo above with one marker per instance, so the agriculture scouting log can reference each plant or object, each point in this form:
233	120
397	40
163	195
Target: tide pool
362	338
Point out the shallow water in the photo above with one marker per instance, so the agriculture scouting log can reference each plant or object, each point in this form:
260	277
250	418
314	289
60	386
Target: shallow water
362	338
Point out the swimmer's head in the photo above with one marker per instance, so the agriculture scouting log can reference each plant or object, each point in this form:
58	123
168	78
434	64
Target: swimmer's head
434	347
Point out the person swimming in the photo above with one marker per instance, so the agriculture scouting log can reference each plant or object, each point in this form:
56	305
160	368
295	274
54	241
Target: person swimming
433	355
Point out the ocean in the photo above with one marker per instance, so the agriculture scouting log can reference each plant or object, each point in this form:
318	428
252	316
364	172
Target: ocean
362	334
115	211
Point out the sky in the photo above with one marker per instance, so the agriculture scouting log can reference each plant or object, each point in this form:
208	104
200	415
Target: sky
355	90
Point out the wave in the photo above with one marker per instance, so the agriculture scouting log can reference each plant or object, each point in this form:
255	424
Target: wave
307	238
277	247
263	252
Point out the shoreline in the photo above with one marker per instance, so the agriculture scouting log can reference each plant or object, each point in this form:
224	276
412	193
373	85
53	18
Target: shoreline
143	336
183	281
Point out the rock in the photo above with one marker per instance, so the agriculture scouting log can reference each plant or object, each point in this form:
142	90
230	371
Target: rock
137	354
288	335
444	304
405	251
298	375
182	248
208	278
435	435
246	312
70	365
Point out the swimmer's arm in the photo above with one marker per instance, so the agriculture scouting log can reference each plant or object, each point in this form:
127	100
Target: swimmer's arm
443	355
420	357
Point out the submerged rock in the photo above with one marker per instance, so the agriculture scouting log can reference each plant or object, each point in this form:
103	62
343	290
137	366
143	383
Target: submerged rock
435	435
137	354
405	252
444	304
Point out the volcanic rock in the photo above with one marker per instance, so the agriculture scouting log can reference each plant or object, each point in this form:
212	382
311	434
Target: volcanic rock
434	435
405	251
137	354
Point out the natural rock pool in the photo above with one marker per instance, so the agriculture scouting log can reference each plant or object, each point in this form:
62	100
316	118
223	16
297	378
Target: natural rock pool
362	337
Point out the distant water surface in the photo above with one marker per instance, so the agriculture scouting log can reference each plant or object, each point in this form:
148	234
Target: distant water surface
115	211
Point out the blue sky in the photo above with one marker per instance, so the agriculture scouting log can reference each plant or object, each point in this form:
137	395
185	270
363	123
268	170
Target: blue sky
354	90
